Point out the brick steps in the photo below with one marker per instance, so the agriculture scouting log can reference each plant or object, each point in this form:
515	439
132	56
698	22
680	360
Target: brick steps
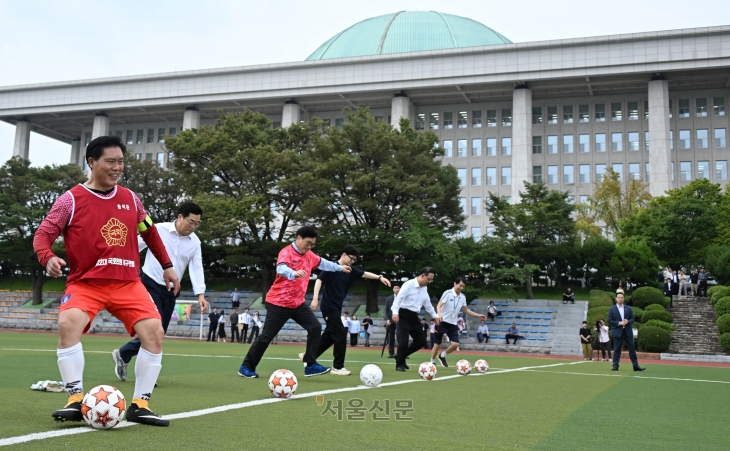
695	327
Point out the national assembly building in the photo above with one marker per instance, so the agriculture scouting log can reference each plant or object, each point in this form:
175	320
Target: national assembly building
650	106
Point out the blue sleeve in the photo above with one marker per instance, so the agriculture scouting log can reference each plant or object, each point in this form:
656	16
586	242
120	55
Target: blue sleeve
326	265
283	270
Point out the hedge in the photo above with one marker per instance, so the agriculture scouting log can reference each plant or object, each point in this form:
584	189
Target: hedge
661	316
722	307
596	313
636	325
719	294
655	322
645	296
725	340
637	313
713	289
654	339
655	307
599	298
723	324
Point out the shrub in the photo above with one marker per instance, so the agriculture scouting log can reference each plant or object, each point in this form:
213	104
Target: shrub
725	340
599	298
654	339
596	313
723	324
657	323
645	296
655	307
637	313
656	314
719	294
722	307
636	325
713	289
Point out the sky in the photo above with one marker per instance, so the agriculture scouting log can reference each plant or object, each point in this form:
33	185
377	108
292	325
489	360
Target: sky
48	41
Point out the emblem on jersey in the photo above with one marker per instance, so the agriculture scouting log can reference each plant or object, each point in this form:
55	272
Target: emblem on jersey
114	233
65	299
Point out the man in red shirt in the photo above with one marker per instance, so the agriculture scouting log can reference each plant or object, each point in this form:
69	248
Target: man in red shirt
98	220
285	301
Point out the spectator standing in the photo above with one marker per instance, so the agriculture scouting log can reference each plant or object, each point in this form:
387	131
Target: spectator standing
483	332
222	327
660	276
682	283
233	321
432	331
213	323
675	283
367	325
492	311
426	331
693	278
585	341
702	289
669	290
603	339
512	332
245	319
256	325
236	298
620	288
389	324
354	329
569	296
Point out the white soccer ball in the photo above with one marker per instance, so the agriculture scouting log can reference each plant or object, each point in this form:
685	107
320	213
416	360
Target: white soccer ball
463	367
481	366
283	383
103	407
427	371
371	375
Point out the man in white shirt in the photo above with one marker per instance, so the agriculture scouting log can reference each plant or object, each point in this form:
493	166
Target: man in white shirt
346	320
452	302
412	296
235	298
620	317
245	319
183	247
483	332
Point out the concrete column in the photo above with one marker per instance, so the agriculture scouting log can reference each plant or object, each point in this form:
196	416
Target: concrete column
521	140
76	157
21	148
191	119
290	114
400	107
660	155
101	126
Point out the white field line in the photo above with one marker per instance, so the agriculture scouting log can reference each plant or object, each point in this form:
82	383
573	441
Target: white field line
627	376
196	413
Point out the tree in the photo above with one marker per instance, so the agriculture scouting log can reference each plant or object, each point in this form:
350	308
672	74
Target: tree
596	254
634	261
538	230
160	190
612	204
717	262
26	196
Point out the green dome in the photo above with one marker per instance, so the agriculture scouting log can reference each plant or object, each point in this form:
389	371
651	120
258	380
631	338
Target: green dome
407	32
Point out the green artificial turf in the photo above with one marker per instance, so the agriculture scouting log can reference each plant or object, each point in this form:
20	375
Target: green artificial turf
571	406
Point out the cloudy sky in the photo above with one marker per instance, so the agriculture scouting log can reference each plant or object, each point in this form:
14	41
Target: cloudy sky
46	41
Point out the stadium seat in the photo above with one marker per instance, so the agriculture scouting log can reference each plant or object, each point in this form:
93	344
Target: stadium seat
542	339
548	311
520	311
538	311
533	331
546	318
529	311
528	317
536	325
512	311
532	339
509	317
504	304
543	331
546	325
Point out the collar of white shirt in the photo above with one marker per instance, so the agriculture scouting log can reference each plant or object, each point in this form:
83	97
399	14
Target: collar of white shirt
171	228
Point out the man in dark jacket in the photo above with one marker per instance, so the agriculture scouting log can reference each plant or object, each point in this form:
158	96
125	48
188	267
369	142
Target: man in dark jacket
213	318
233	319
389	324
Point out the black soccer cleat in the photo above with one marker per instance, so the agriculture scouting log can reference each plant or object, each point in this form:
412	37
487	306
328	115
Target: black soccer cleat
401	368
71	412
141	415
443	361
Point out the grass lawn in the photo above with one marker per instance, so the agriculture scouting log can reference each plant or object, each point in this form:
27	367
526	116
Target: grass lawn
522	403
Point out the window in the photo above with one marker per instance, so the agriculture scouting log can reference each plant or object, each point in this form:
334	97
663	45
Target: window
160	135
328	122
476	176
150	135
634	173
537	144
583	199
461	148
433	121
721	170
476	147
491	118
173	131
568	174
633	110
584	114
506	146
506	175
448	120
537	115
585	173
491	176
702	138
683	107
646	109
600	112
701	107
491	231
617	142
567	143
600	142
462	205
568	114
685	171
600	172
584	143
476	205
703	169
619	169
672	171
491	147
130	137
340	121
552	175
463	119
552	144
87	139
420	121
148	156
448	148
476	233
646	169
633	141
616	113
120	134
161	159
138	156
277	124
462	176
536	174
377	119
718	106
670	108
720	142
506	117
476	119
140	136
552	115
646	141
684	139
671	139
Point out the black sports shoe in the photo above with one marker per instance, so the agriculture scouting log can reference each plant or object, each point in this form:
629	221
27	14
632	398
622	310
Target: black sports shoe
638	368
72	412
401	368
614	368
443	361
391	356
140	415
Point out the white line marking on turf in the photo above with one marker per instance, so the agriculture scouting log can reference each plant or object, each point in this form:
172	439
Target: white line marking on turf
196	413
635	377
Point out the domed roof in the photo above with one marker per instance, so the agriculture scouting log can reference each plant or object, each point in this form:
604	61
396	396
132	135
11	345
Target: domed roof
407	31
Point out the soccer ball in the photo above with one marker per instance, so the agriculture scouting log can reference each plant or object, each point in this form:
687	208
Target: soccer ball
283	384
463	367
371	375
103	407
481	366
427	371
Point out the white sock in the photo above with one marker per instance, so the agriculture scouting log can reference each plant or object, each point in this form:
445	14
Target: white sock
146	369
443	354
433	360
71	366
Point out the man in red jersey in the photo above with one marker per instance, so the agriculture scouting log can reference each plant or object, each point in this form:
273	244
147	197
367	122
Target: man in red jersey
98	221
285	301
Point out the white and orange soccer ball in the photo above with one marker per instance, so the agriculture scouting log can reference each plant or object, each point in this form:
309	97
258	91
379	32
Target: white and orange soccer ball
103	407
427	371
283	383
481	366
463	367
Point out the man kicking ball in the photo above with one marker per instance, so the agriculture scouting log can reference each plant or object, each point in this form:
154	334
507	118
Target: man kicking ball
452	302
285	301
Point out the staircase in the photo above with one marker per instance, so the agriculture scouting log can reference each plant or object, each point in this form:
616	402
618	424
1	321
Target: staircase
695	327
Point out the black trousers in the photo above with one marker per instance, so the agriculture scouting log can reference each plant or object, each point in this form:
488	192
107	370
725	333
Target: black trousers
605	348
626	334
391	338
409	324
244	334
254	331
235	333
335	334
276	317
212	329
353	339
515	337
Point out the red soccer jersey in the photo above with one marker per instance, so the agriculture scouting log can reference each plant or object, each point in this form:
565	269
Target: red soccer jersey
290	293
